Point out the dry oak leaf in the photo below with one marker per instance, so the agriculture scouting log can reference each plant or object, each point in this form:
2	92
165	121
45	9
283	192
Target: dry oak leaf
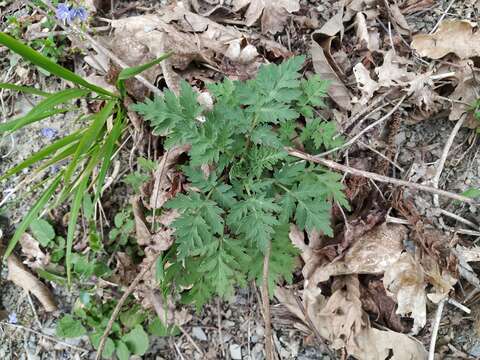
365	83
346	325
36	258
405	281
372	253
273	13
337	89
20	276
459	37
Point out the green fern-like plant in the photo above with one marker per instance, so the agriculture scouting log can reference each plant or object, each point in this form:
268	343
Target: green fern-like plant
254	189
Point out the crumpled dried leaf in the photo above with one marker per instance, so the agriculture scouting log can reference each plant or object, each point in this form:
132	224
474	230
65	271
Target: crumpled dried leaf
405	280
334	25
36	258
391	73
273	13
367	38
20	276
337	89
399	21
372	253
365	83
452	36
465	94
163	181
160	241
342	321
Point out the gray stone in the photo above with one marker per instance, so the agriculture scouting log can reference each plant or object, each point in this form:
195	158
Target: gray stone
235	352
198	333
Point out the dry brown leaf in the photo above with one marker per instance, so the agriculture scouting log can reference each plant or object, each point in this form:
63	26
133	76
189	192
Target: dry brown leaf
452	36
367	38
399	21
143	235
273	13
36	258
334	25
372	253
346	325
162	182
405	280
391	72
20	276
337	89
465	94
365	83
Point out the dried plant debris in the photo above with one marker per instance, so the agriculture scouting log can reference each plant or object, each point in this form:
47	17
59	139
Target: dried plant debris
459	37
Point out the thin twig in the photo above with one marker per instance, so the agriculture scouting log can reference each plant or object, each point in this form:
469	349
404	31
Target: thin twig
48	337
266	305
442	17
436	326
458	305
219	325
381	178
119	305
366	129
319	338
443	158
160	310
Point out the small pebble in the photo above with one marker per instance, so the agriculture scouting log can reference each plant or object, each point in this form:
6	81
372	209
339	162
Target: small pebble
198	333
235	352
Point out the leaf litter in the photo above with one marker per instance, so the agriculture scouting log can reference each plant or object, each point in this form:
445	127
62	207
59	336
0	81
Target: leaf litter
344	282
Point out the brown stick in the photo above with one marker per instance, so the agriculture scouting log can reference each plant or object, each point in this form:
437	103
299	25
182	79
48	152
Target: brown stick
266	306
385	179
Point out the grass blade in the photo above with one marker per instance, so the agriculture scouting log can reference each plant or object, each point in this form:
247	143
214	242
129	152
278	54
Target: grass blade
20	122
135	70
45	63
109	146
90	137
24	89
32	214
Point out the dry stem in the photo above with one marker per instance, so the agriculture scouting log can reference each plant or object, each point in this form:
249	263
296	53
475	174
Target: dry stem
266	306
381	178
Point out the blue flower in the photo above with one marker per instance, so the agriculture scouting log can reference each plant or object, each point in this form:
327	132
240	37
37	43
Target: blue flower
49	133
63	12
79	13
12	318
69	14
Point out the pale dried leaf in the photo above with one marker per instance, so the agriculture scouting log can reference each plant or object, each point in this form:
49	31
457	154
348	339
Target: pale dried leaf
367	38
36	258
365	83
452	36
20	276
469	254
372	253
399	19
405	280
334	25
465	94
273	13
143	235
337	89
162	183
391	73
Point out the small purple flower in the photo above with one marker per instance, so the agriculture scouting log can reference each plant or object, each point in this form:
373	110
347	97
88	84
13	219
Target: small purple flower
49	133
79	13
69	14
12	318
63	12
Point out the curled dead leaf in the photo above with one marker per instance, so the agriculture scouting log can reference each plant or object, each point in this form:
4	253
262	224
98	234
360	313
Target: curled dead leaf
273	14
20	276
405	280
337	89
365	83
372	253
459	37
36	258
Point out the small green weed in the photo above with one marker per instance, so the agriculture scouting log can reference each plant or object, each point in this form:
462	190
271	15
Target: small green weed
129	335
